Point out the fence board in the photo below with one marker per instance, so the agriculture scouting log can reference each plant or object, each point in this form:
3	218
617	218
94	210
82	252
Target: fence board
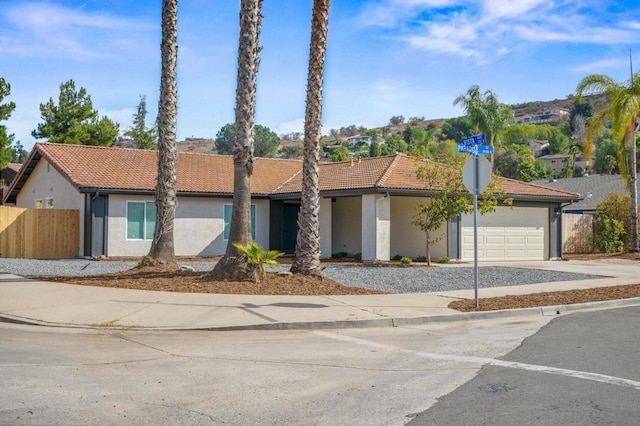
578	233
39	233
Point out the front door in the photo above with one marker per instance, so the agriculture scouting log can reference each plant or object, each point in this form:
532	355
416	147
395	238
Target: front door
290	227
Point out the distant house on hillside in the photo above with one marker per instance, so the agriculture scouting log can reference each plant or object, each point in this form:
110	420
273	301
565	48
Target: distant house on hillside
358	141
536	146
547	117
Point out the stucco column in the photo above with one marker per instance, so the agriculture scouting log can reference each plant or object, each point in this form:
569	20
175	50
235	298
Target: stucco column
376	227
325	228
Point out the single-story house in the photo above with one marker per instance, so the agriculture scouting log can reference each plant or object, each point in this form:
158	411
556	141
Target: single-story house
593	189
366	206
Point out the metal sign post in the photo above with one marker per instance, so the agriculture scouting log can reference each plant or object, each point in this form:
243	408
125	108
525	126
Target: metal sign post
476	175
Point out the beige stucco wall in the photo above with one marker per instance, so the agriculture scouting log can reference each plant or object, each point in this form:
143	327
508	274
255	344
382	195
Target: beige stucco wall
408	239
198	230
346	232
45	182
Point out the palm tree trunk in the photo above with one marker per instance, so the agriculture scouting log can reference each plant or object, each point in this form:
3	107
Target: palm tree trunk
307	257
233	266
162	248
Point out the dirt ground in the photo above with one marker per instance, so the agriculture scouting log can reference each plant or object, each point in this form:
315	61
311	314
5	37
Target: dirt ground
286	284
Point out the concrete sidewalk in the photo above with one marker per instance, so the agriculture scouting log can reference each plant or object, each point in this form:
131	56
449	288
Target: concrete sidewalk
55	304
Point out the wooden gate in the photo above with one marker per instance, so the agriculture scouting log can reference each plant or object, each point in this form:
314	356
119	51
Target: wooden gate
39	233
578	233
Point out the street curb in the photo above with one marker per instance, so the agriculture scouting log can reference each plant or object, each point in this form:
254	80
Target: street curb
366	323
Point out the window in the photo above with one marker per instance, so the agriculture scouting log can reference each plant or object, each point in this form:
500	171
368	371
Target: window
228	208
141	220
49	203
38	204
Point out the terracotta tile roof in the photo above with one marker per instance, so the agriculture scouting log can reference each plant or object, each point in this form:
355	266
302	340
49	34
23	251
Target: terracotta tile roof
398	172
132	169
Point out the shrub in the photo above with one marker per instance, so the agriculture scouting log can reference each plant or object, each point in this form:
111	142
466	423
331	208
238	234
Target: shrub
339	255
358	256
396	257
444	259
257	257
406	260
616	208
611	235
420	259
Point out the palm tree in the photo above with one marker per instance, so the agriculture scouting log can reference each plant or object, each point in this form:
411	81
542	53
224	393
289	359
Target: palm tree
233	266
162	247
307	257
486	112
624	113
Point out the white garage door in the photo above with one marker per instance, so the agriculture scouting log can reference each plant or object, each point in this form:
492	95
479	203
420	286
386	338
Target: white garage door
520	233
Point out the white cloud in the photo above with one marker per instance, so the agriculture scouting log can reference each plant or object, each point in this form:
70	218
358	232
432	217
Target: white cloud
492	28
598	66
51	30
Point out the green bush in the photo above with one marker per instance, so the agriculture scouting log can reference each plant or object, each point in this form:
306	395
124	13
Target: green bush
420	259
396	257
339	255
616	208
257	257
611	235
444	259
358	256
406	260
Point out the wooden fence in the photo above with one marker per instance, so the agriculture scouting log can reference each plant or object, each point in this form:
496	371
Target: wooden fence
578	233
39	233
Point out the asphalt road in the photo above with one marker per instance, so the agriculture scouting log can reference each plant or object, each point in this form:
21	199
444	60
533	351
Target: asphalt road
577	369
339	377
588	374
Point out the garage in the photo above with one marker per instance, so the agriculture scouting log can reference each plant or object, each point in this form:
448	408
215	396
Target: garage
520	233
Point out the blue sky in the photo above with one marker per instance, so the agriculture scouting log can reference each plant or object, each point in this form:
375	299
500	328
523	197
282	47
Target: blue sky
384	57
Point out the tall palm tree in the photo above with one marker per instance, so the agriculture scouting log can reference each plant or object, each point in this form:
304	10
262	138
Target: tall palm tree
307	257
624	113
162	248
232	265
486	112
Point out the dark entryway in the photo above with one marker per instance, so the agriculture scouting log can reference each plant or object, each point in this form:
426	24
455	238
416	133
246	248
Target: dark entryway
290	227
95	238
284	226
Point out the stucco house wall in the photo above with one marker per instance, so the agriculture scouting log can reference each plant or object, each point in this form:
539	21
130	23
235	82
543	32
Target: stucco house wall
46	182
408	239
199	226
346	221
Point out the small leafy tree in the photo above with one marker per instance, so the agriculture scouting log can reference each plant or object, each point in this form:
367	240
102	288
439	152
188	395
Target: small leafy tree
449	199
145	138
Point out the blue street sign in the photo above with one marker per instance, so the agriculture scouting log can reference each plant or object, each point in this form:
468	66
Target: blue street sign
466	148
475	149
474	140
485	149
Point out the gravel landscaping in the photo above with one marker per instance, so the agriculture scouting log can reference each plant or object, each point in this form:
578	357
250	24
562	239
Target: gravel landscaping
413	279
